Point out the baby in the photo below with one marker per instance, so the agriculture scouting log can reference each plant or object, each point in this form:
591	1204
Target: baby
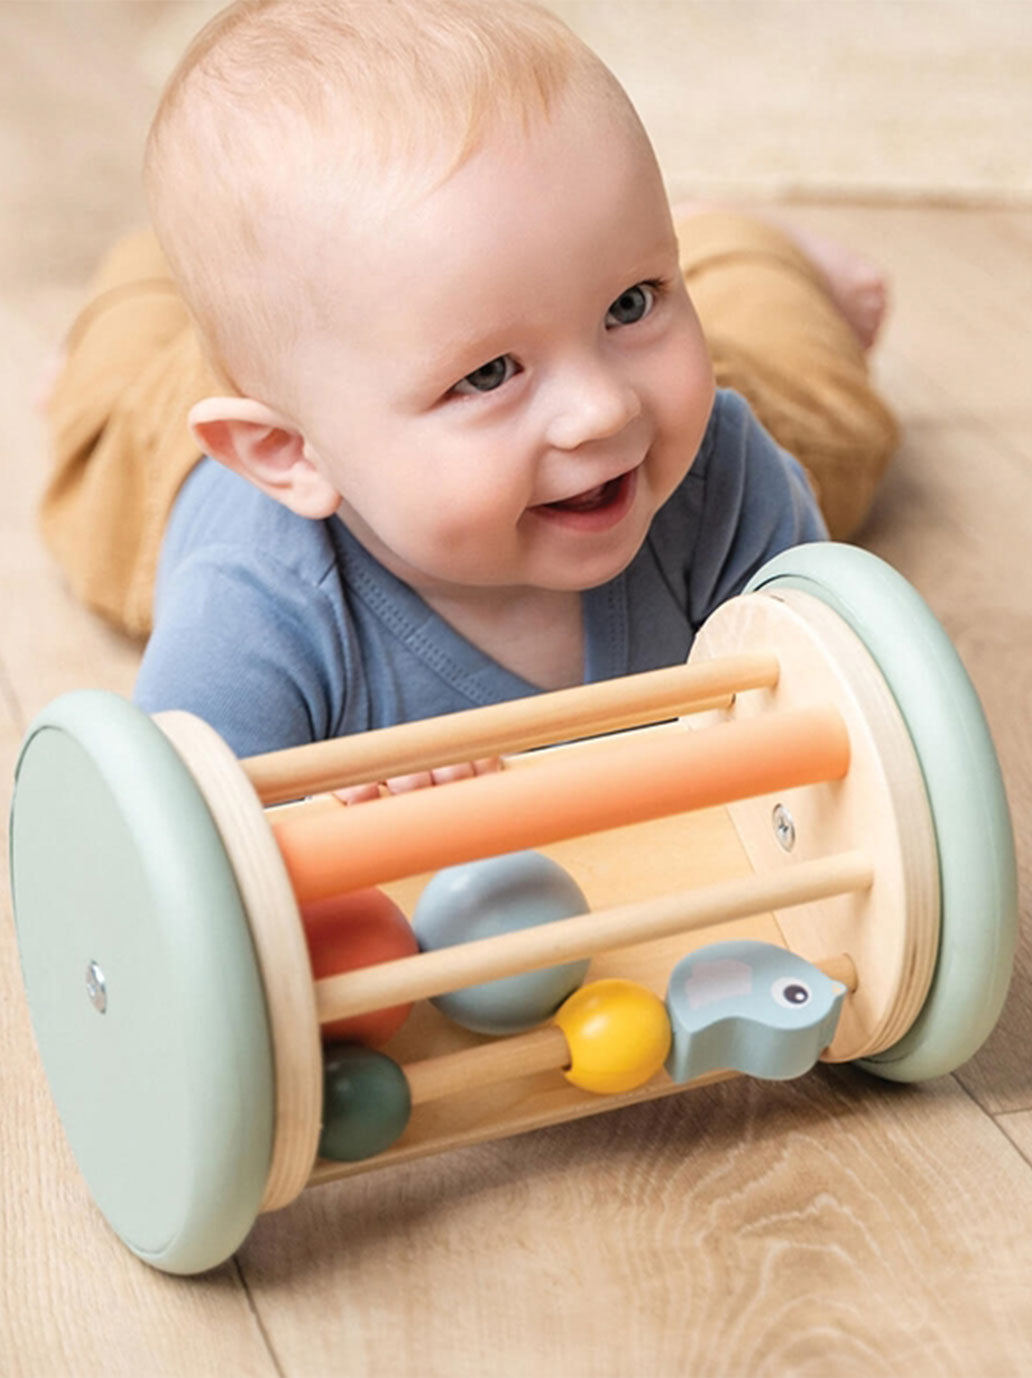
465	441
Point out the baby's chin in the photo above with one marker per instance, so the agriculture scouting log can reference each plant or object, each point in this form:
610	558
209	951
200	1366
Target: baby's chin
600	572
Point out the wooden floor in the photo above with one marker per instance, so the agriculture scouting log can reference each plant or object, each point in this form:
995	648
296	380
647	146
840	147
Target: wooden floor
831	1226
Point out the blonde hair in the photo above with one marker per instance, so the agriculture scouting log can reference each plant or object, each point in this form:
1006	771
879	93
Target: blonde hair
280	102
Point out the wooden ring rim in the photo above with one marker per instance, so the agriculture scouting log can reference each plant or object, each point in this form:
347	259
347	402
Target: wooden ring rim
880	808
279	947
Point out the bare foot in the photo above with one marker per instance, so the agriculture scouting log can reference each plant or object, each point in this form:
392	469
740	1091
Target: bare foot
857	286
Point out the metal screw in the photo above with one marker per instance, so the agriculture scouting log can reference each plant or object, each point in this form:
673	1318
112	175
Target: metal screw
784	827
96	987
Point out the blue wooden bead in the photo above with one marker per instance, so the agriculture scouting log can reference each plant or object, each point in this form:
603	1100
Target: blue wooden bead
366	1102
498	895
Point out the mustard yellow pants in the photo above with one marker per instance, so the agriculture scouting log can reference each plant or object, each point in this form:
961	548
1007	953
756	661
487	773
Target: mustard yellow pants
134	368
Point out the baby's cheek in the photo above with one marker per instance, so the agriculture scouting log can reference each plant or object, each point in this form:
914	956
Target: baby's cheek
468	507
464	535
690	389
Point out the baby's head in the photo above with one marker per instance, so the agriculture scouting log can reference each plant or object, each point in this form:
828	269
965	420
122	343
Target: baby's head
290	122
428	246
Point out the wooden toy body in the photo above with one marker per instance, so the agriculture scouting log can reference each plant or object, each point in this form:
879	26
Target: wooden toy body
876	914
779	789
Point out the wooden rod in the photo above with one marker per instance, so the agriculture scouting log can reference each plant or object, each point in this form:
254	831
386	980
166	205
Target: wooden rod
841	968
517	725
521	1055
565	940
630	781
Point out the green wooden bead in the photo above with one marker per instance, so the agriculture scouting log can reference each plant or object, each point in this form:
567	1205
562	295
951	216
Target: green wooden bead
366	1102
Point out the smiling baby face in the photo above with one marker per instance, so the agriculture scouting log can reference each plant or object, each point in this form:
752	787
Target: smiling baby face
508	378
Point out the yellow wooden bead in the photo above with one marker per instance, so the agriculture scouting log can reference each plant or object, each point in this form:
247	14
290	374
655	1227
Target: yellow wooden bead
618	1034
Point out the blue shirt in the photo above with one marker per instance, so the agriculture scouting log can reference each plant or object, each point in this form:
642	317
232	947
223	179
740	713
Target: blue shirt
279	630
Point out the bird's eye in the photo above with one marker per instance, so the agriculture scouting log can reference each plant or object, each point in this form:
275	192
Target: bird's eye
791	992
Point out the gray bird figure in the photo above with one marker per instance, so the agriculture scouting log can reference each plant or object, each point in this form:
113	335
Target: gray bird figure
749	1007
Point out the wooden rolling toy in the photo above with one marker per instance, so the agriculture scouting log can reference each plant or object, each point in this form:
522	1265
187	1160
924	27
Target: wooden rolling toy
797	845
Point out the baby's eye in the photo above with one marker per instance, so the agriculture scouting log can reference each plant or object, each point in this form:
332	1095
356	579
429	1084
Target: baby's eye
631	306
488	376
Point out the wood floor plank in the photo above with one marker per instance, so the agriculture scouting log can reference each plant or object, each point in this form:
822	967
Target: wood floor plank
830	1226
873	99
961	302
1018	1128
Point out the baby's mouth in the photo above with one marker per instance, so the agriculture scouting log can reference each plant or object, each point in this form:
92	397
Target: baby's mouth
593	500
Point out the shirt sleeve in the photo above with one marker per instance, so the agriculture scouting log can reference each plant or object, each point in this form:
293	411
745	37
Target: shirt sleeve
756	502
248	646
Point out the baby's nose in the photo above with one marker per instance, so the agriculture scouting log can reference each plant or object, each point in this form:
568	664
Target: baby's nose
594	404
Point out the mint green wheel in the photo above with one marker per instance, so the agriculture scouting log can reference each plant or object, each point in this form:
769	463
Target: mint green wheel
974	836
142	982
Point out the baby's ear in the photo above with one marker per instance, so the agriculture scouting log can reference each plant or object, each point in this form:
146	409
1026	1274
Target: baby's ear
263	446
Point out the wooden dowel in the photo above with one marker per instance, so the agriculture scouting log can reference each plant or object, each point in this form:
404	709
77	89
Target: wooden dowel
517	1056
630	781
518	725
841	969
565	940
521	1055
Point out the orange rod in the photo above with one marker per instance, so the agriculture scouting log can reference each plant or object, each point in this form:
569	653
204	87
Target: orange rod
504	728
633	780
